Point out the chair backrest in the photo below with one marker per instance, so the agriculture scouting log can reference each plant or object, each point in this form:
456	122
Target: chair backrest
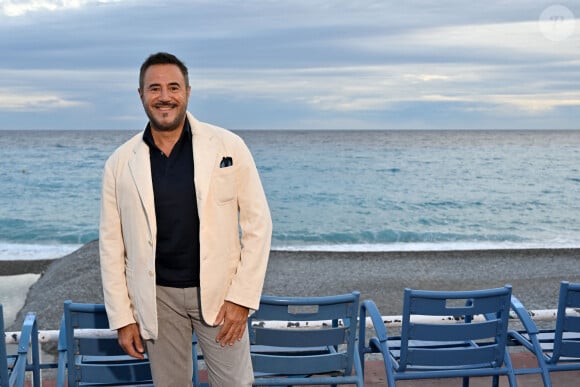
13	368
439	349
94	358
3	356
566	323
304	350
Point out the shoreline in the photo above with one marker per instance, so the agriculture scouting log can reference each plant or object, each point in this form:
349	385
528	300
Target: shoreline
535	275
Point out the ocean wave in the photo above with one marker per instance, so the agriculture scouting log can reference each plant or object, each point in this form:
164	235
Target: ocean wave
390	237
14	252
425	247
17	252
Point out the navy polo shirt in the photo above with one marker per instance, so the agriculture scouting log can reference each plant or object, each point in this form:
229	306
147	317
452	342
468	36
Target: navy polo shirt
177	250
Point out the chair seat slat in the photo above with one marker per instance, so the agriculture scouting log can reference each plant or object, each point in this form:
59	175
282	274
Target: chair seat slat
300	337
476	357
449	332
570	348
313	364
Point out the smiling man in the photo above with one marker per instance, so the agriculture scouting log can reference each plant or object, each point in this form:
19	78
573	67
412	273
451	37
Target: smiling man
173	260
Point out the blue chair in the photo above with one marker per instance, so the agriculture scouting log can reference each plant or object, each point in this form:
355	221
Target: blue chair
93	359
556	349
13	367
197	358
321	350
441	338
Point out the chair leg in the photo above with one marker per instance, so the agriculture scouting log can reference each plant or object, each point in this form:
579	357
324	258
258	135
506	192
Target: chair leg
465	381
541	361
546	379
508	363
35	358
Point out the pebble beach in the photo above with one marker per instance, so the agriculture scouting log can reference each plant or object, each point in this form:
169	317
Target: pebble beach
382	276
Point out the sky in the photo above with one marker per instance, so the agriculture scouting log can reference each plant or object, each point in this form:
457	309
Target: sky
296	64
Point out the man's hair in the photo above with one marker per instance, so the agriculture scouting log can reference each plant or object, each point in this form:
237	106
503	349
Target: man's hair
162	58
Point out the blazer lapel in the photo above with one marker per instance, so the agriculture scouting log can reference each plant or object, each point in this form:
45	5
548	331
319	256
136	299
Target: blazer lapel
205	148
140	168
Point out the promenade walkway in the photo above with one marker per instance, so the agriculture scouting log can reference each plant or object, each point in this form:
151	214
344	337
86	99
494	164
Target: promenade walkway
375	376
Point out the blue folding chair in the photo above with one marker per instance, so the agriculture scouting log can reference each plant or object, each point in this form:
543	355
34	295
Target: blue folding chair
556	349
434	345
13	367
321	350
91	359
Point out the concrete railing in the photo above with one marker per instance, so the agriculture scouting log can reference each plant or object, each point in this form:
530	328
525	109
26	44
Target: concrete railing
51	336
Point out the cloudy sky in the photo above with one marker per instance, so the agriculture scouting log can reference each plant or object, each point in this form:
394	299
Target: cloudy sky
307	64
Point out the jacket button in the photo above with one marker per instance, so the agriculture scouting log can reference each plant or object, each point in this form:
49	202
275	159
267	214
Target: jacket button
151	273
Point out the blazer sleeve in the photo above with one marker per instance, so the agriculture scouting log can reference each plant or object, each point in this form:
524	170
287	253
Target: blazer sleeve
112	254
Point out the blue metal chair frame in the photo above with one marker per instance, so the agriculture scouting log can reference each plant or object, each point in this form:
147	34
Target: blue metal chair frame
324	354
463	348
196	359
13	367
94	361
555	349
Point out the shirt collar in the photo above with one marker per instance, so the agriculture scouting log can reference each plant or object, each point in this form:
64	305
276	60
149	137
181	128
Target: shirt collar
148	136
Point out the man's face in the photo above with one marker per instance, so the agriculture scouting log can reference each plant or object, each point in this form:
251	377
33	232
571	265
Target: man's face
164	97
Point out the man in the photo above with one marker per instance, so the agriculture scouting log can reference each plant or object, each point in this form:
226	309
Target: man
184	237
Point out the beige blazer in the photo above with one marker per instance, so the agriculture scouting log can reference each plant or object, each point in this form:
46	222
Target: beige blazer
230	202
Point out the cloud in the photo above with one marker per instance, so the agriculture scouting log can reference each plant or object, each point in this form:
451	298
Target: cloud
279	63
33	101
374	88
41	90
14	8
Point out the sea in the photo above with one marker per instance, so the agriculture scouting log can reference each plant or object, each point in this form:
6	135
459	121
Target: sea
348	190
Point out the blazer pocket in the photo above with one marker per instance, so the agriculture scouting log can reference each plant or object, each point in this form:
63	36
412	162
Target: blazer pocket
224	185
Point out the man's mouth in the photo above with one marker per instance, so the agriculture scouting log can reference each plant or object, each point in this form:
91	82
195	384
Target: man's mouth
165	107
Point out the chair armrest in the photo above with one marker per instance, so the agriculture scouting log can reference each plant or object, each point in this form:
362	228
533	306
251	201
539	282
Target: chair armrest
62	336
531	343
29	329
369	307
379	342
524	316
28	342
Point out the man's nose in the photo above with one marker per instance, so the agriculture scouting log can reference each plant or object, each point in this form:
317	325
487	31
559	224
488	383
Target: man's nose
164	94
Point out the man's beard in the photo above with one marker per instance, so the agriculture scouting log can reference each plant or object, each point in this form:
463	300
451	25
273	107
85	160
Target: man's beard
166	127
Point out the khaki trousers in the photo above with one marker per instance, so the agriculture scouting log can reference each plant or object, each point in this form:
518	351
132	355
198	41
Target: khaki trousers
179	314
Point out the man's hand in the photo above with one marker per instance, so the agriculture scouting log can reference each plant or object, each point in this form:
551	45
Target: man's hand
130	340
234	318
